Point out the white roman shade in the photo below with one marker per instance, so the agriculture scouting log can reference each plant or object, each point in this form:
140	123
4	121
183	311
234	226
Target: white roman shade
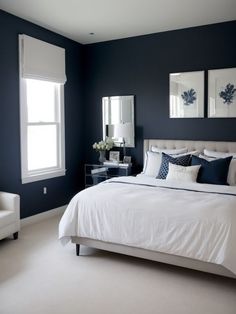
41	60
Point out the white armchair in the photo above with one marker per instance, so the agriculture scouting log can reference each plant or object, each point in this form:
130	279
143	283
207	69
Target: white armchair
9	215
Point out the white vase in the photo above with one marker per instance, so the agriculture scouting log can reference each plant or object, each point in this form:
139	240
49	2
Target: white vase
102	156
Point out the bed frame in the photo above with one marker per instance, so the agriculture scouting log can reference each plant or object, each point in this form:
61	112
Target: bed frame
157	256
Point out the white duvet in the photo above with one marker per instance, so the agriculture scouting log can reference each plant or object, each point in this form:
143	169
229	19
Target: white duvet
191	220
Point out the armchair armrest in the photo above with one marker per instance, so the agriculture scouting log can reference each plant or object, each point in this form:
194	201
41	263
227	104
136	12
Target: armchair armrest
10	201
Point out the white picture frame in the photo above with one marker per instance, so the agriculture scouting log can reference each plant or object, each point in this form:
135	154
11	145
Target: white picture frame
127	160
114	156
186	94
222	93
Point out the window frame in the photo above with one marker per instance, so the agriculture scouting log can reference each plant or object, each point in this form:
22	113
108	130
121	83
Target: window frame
28	176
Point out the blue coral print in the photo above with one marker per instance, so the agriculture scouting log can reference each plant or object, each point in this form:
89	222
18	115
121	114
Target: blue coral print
189	97
228	94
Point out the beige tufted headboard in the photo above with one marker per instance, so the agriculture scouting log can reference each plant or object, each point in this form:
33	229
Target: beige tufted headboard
191	145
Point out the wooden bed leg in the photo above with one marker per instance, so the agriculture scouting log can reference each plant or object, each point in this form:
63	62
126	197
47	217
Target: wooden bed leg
15	235
77	249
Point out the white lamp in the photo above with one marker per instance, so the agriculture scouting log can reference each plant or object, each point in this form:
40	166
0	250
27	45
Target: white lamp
124	130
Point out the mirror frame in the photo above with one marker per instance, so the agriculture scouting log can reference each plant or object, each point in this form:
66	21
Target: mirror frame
104	125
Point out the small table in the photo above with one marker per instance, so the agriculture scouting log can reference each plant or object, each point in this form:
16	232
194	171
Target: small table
95	174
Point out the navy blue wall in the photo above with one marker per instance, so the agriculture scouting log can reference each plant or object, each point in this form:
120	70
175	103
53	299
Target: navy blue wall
60	189
141	66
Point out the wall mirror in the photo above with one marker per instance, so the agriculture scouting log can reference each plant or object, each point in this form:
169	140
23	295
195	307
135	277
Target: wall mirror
118	119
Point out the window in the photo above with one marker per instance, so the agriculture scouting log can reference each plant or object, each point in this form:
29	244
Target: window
42	121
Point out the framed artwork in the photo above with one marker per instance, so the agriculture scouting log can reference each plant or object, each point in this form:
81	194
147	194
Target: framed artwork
187	95
127	160
114	156
222	93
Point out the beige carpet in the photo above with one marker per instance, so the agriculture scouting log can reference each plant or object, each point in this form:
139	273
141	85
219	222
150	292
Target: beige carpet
39	276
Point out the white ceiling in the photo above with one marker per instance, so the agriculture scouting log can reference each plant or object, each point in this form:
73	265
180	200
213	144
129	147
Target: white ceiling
113	19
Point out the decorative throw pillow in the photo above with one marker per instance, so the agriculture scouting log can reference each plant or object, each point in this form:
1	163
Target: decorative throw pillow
214	154
231	179
152	161
152	164
166	159
193	152
212	172
182	174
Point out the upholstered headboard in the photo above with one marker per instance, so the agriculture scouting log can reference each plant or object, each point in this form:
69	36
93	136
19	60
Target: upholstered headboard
191	145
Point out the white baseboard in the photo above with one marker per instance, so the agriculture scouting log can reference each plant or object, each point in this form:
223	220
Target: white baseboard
42	216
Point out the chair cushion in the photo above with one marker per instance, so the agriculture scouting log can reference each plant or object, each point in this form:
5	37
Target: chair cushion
7	217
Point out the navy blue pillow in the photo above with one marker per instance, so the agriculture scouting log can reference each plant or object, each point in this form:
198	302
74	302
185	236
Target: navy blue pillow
181	161
212	172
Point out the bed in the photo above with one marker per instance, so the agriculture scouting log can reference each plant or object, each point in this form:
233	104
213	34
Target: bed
190	225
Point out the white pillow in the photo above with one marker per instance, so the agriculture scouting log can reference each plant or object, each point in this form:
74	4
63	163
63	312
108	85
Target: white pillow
211	153
152	164
231	179
193	152
182	174
156	149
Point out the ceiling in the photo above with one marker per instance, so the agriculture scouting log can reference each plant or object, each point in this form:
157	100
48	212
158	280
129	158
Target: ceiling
113	19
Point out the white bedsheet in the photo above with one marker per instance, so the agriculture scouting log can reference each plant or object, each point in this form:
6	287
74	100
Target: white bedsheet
143	212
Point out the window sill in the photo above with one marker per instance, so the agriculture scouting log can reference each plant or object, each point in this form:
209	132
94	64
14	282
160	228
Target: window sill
43	176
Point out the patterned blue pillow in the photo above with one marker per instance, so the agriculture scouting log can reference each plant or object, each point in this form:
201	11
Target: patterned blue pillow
181	161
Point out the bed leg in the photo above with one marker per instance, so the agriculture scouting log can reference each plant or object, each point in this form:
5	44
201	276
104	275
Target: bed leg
77	249
15	235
